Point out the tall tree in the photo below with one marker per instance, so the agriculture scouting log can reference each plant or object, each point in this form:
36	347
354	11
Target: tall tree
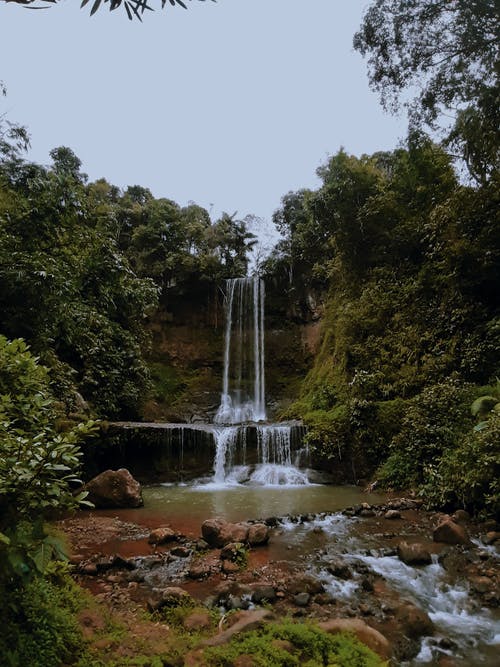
448	52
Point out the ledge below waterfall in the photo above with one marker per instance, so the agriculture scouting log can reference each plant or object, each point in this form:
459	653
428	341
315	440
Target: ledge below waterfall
168	452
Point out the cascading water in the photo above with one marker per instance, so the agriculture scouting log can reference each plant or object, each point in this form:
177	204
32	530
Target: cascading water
243	387
242	408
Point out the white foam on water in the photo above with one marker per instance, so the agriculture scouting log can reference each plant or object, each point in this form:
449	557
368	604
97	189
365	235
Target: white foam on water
449	606
271	474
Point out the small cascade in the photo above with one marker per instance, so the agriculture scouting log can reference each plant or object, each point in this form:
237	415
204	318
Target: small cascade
274	449
225	443
274	445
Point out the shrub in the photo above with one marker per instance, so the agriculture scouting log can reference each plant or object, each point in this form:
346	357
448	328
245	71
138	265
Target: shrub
468	475
433	422
39	625
311	647
38	465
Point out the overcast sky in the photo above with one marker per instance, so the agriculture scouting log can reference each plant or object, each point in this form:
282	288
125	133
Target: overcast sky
230	105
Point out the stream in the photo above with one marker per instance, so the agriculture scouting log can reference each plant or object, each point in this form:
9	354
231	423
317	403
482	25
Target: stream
312	532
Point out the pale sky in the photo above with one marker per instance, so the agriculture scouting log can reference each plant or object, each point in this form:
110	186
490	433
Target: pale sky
230	105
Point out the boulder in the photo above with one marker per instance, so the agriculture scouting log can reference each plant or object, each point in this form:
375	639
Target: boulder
217	533
462	517
173	596
301	599
414	554
198	620
491	537
263	593
114	489
339	569
392	514
481	584
364	632
181	552
230	567
450	532
199	570
414	622
258	534
162	536
305	584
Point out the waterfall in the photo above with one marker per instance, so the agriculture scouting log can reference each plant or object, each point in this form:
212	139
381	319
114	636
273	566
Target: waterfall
243	384
242	407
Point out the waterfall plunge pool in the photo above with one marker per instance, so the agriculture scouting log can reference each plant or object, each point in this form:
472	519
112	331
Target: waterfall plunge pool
194	503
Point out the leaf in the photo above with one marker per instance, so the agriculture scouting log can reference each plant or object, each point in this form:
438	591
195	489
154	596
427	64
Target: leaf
43	556
4	539
95	7
483	405
481	426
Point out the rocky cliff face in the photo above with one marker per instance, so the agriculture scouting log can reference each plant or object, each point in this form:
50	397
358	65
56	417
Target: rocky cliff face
186	357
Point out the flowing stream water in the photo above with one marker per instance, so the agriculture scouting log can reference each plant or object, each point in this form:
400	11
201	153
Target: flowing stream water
464	629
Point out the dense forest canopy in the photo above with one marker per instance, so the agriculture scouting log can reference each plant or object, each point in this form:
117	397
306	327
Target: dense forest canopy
83	264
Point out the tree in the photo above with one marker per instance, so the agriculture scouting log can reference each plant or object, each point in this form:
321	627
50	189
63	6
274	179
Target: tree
448	52
13	138
133	8
66	288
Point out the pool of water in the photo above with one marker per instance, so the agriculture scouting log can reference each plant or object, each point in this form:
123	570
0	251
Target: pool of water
195	503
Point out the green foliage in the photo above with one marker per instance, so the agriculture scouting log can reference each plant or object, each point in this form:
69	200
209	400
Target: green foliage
468	474
310	646
410	268
39	625
449	53
329	432
38	466
431	424
82	267
66	288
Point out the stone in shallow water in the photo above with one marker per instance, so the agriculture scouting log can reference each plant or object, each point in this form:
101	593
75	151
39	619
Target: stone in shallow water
229	567
199	570
302	599
339	569
263	593
414	554
450	532
218	533
258	534
162	536
414	621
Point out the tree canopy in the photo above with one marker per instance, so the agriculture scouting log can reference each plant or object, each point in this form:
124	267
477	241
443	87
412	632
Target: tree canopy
448	52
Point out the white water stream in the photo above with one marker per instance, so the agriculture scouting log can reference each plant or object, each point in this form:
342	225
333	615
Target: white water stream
472	632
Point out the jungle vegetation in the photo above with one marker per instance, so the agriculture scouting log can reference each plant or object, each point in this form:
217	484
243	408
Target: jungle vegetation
404	246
